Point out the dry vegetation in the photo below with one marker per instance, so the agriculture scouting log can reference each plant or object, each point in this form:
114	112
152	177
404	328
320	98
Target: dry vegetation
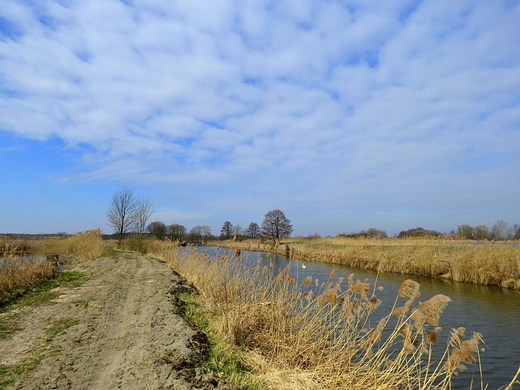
325	334
25	262
485	263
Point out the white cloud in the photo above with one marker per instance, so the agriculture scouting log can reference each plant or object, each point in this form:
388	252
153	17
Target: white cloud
337	100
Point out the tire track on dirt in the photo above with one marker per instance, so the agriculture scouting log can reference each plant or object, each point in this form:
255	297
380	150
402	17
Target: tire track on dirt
129	334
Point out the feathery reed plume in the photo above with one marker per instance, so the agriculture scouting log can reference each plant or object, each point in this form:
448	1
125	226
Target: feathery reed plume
360	288
374	303
430	311
375	336
330	295
466	352
307	281
332	273
409	288
400	312
431	336
456	336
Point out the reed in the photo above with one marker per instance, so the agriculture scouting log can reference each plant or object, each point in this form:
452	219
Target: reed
25	262
83	246
323	334
484	263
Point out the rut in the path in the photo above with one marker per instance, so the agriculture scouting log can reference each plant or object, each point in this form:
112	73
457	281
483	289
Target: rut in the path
129	333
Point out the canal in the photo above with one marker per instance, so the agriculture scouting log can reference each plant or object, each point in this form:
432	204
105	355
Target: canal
492	311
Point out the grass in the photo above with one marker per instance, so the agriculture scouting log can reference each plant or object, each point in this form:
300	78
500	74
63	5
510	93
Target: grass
483	263
225	359
34	295
58	326
19	274
9	374
323	334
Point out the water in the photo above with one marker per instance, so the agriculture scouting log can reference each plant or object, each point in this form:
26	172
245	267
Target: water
492	311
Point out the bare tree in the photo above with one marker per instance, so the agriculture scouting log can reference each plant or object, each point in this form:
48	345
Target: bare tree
276	225
499	230
200	234
143	211
121	213
253	230
226	231
237	230
128	214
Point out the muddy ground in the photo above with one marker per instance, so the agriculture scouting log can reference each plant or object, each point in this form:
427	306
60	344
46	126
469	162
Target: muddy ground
126	331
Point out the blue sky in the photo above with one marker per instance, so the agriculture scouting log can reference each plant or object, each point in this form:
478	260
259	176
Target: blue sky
346	115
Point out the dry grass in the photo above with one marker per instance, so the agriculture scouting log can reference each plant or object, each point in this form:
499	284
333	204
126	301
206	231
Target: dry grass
323	334
18	270
83	246
485	263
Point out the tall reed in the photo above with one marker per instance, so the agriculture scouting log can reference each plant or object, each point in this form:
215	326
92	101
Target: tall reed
25	262
325	334
83	246
485	263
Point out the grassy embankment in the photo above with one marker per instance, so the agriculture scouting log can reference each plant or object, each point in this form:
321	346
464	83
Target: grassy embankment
17	276
484	263
323	334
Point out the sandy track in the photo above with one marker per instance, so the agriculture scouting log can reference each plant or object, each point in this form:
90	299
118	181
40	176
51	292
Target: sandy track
128	333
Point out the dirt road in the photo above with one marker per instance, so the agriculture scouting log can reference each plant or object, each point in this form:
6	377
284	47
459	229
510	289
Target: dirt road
123	331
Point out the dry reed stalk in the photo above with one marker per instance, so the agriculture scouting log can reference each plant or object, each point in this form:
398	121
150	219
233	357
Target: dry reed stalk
486	263
321	334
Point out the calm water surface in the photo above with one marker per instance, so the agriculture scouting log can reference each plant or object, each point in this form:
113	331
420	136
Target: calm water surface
492	311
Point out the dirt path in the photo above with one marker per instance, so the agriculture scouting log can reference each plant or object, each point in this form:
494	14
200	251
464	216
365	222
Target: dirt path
126	333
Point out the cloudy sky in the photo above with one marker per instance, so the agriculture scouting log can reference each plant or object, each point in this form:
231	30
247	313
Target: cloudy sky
344	114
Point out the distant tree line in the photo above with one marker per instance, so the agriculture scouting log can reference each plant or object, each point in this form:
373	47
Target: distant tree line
275	226
371	232
129	214
499	231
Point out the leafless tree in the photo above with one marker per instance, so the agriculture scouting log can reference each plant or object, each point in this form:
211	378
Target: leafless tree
499	230
200	234
144	210
253	230
128	214
121	213
276	225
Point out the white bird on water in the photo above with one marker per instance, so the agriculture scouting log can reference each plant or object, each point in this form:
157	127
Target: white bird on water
304	266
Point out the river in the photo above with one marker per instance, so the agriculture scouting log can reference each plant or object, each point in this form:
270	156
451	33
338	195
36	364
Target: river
492	311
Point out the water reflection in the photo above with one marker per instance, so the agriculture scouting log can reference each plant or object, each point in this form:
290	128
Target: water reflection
492	311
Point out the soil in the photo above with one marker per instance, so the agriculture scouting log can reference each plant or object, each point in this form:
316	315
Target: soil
126	331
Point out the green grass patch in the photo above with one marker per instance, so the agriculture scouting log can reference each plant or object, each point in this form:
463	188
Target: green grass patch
59	326
40	291
9	324
112	251
15	373
224	359
34	295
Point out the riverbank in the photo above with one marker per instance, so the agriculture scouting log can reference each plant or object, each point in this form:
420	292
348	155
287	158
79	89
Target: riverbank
331	331
482	263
